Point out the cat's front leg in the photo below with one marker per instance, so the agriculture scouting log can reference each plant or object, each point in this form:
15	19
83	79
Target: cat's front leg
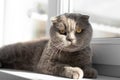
90	72
62	70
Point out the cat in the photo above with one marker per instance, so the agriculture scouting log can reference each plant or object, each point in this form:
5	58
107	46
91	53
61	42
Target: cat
66	53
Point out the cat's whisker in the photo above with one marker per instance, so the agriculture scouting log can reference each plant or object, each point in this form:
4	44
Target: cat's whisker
56	45
61	46
56	50
54	53
60	49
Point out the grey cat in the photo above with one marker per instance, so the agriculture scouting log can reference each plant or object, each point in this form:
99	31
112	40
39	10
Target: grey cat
66	53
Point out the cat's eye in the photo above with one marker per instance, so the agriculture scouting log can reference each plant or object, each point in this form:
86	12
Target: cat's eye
78	30
62	31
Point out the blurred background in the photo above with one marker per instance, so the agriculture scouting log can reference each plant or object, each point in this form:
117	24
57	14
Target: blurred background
104	16
23	20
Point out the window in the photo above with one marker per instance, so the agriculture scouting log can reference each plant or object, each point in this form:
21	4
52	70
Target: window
104	16
22	20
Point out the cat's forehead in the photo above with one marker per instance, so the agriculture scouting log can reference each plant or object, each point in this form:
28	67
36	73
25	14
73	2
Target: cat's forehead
69	23
75	19
71	20
72	16
66	19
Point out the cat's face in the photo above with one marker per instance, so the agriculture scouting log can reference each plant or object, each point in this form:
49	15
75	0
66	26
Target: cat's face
71	31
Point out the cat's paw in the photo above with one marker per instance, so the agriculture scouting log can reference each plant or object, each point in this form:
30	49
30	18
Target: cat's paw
73	72
90	73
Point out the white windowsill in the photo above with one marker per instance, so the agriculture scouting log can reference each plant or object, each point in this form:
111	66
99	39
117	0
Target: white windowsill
36	76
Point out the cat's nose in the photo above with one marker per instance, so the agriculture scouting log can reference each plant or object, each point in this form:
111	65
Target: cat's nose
69	39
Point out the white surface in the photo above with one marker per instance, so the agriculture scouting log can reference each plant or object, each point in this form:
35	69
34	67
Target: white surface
36	76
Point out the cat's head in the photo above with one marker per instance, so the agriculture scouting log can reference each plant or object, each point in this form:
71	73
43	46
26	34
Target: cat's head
71	31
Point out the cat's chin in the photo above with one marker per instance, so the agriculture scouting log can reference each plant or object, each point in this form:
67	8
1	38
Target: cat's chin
71	49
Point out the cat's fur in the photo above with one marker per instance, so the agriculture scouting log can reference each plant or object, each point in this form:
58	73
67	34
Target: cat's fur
67	55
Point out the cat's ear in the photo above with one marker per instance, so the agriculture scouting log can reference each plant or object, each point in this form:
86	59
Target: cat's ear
53	19
85	17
